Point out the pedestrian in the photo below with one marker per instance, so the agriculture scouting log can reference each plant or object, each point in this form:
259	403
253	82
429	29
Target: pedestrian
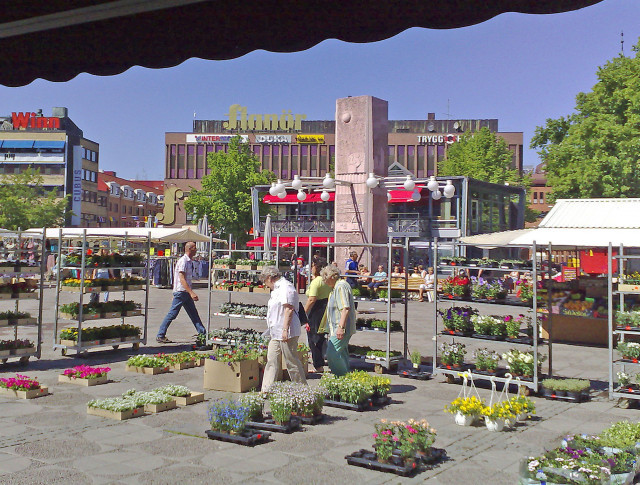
317	298
183	295
283	326
340	321
351	268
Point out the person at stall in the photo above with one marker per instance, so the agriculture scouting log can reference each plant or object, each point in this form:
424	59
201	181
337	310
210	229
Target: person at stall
351	268
317	298
340	321
283	326
365	275
428	285
101	274
183	295
378	279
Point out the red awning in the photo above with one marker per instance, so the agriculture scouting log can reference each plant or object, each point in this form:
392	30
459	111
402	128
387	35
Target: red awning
401	196
292	198
290	242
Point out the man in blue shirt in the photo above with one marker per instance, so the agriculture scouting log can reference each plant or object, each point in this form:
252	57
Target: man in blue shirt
379	278
351	267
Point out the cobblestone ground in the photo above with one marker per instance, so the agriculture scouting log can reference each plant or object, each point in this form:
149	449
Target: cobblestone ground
52	439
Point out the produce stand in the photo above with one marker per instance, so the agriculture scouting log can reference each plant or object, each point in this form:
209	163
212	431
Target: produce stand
23	259
126	244
452	373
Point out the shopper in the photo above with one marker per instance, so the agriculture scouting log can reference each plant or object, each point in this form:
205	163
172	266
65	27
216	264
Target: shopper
340	321
351	268
379	278
183	295
429	279
101	274
317	298
283	326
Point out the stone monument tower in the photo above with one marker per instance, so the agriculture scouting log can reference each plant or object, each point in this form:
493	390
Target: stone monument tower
362	128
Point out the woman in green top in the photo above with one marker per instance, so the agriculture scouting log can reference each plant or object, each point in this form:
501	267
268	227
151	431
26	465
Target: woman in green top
341	320
318	295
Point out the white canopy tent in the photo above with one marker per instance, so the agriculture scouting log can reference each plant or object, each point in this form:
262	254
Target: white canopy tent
158	234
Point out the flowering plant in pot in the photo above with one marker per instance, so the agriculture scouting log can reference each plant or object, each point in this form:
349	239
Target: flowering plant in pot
458	319
629	350
305	401
527	406
86	372
425	435
384	440
281	407
416	358
452	354
496	415
496	291
228	416
513	325
486	360
19	383
521	363
465	409
254	402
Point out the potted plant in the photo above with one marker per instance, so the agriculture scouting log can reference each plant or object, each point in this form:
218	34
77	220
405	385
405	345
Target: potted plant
457	320
527	407
486	360
513	326
628	320
85	375
577	388
228	417
452	355
148	364
22	387
416	358
281	406
521	364
465	410
383	440
549	387
629	350
496	415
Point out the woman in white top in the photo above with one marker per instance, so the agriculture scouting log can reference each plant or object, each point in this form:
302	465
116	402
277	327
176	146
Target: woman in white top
429	279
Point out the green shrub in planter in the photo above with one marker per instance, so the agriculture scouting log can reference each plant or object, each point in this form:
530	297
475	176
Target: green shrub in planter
576	385
630	350
622	435
356	292
551	384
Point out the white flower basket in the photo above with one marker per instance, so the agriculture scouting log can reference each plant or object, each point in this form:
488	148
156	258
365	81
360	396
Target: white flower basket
497	425
463	419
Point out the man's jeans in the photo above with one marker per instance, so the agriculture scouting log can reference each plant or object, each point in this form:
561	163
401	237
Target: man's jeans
181	299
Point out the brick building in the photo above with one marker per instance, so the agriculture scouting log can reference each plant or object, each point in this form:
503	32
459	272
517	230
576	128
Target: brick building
128	203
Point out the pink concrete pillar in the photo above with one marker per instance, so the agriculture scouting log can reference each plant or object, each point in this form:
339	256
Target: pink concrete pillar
362	129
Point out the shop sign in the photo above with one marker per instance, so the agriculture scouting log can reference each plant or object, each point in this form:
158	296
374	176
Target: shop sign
273	138
438	139
262	122
193	138
171	196
76	186
310	139
30	120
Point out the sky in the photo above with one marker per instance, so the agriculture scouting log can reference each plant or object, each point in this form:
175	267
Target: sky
521	69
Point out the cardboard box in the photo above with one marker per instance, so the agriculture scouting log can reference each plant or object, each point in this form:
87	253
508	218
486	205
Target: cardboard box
237	377
119	415
194	398
83	382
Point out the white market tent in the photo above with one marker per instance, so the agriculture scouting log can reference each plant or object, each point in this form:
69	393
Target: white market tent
158	234
577	223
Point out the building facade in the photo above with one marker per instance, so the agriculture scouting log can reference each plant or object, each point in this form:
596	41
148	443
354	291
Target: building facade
129	203
289	145
66	159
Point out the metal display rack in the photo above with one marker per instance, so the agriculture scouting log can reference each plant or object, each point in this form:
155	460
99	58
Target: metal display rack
19	270
451	374
623	397
125	242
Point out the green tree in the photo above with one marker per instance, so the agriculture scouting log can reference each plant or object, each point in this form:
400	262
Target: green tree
595	151
24	203
225	197
484	156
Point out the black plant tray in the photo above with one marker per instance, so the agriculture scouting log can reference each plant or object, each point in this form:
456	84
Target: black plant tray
462	368
270	425
455	333
316	419
498	373
628	390
553	397
367	459
415	374
487	337
522	340
381	401
364	406
247	438
202	348
628	328
630	361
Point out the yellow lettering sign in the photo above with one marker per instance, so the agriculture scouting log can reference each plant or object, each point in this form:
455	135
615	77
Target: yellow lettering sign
239	119
171	197
310	139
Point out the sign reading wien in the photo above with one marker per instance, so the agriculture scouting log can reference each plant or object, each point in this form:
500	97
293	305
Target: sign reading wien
264	122
31	120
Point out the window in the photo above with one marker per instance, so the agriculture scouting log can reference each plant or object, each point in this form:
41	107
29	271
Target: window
392	155
535	197
124	209
115	208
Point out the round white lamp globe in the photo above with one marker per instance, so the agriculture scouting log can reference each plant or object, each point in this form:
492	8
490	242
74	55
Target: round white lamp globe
325	196
296	183
409	184
415	196
437	195
372	181
272	190
282	195
449	189
433	184
328	182
302	195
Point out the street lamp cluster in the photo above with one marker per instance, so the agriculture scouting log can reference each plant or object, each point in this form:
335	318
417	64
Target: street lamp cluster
279	188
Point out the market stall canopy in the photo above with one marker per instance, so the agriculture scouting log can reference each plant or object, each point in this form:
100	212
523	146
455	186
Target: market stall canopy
495	239
59	39
158	234
290	242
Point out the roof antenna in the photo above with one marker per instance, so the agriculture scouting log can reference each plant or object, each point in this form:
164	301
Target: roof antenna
622	43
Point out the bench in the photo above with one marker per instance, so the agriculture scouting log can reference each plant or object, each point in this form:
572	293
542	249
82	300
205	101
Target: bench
413	284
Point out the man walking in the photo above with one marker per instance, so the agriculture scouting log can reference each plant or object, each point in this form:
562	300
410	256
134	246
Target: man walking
183	295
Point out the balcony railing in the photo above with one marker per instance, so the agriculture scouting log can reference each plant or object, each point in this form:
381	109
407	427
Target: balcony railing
295	227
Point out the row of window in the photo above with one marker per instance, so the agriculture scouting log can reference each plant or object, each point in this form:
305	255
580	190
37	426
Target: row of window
537	198
89	175
89	155
189	161
89	196
44	168
137	211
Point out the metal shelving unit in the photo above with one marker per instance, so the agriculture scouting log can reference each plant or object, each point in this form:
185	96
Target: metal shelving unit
21	271
451	374
623	397
125	240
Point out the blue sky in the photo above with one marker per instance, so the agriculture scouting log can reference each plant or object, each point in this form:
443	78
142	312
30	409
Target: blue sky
521	69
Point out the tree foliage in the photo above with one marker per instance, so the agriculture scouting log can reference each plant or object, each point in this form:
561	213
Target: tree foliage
225	197
24	203
482	155
595	151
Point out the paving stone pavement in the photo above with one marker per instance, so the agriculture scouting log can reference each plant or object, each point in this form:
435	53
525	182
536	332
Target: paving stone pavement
52	440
